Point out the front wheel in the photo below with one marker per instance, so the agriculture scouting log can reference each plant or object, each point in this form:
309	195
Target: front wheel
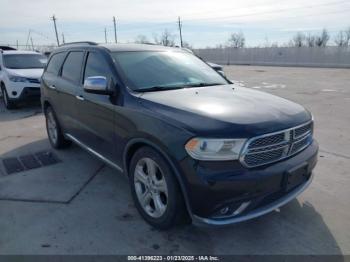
155	189
8	103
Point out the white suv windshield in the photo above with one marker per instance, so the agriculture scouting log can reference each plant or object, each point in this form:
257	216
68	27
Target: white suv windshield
24	61
161	70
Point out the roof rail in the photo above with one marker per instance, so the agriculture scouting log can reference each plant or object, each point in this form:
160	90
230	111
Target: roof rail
6	48
80	43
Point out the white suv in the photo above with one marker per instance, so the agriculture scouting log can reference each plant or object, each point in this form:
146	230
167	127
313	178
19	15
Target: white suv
20	73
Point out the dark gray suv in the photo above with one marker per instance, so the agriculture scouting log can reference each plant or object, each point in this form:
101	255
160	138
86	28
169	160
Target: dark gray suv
194	146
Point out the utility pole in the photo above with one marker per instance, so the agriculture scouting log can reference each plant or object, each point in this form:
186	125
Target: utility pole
31	40
106	35
17	44
53	18
63	41
115	30
180	29
28	37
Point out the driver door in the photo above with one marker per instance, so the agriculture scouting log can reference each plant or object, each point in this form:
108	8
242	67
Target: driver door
95	112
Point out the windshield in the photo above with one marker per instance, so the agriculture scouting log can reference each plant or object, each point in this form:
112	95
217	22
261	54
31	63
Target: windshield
157	70
24	61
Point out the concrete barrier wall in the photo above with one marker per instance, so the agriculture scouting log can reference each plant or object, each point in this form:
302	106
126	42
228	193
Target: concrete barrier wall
279	56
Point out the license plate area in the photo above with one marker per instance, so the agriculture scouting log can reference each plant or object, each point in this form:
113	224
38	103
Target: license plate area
295	176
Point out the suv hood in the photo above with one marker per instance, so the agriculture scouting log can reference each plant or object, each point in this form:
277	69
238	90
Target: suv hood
29	73
225	110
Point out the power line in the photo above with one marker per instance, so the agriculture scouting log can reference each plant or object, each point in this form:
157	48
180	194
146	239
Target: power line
40	34
54	22
267	12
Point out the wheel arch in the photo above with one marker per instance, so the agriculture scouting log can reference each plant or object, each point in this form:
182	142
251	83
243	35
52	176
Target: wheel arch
46	104
134	144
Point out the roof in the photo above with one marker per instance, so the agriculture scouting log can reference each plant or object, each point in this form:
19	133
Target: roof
15	52
117	47
137	47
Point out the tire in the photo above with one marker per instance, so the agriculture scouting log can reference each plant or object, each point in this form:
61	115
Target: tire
161	205
54	131
8	103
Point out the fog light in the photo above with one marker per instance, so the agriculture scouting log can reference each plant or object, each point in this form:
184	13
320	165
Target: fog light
223	211
14	93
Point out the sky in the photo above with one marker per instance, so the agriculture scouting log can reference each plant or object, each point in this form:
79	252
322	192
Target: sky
204	22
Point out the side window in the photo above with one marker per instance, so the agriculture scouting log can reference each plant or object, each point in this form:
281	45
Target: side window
96	65
72	66
55	63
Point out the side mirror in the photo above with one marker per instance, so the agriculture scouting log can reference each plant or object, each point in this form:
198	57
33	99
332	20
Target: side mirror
221	72
97	85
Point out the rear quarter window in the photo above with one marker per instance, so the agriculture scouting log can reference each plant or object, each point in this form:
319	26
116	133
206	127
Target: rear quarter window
55	63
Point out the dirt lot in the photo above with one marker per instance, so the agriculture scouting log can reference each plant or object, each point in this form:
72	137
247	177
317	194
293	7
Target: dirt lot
80	206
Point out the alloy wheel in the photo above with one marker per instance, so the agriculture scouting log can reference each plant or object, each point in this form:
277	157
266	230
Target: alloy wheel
52	127
151	187
4	95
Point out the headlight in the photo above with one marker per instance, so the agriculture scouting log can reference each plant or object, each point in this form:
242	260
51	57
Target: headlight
17	79
214	149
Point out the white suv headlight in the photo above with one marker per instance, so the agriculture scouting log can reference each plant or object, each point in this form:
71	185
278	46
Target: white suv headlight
212	149
17	79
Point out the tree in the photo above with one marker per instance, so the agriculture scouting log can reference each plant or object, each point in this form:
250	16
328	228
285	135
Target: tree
236	40
347	33
340	39
298	40
343	38
322	39
187	45
310	40
141	39
166	39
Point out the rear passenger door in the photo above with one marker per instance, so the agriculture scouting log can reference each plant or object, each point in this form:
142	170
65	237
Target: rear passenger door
67	88
50	80
95	112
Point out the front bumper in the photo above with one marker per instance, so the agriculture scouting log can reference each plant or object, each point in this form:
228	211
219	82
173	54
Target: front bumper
28	94
211	187
256	212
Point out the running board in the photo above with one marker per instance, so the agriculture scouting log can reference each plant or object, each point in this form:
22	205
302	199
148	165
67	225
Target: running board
90	150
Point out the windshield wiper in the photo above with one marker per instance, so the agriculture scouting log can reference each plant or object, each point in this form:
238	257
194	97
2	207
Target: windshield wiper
162	88
157	88
204	84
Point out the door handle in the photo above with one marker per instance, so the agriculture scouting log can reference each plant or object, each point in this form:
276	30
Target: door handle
79	97
52	86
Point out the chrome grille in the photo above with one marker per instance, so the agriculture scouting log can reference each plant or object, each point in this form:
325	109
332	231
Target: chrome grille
300	144
266	141
300	131
273	147
33	80
263	157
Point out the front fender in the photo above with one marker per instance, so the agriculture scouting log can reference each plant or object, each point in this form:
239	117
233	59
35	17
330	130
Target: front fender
172	162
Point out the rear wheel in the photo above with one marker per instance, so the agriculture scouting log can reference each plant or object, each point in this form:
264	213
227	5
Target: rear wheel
54	130
155	189
7	101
